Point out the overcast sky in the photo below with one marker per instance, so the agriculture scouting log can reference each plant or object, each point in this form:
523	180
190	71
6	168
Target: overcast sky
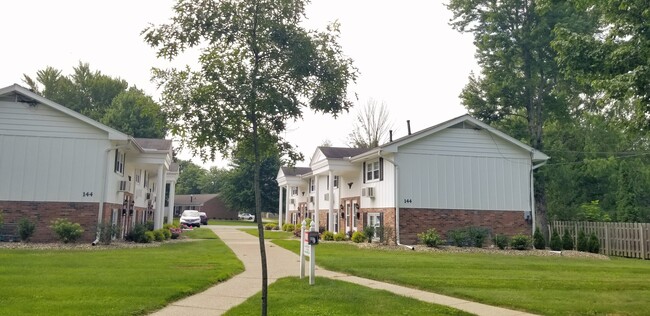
407	54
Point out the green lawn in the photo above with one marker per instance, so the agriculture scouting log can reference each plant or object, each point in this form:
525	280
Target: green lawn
543	285
269	234
231	222
292	296
111	282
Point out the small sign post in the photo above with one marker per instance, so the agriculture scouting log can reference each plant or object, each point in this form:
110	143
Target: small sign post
307	242
302	249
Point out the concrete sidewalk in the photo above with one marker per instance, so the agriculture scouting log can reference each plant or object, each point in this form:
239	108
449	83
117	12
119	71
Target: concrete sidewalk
282	263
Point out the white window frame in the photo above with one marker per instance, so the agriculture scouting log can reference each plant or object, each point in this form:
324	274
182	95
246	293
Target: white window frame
312	185
120	159
372	171
336	182
294	191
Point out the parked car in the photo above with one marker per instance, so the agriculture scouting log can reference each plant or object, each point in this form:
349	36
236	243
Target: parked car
246	216
191	218
204	218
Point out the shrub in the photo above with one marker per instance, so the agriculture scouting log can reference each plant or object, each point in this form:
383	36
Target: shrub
520	242
459	237
340	236
385	234
431	238
106	231
25	229
158	235
358	237
270	226
369	232
556	241
66	231
328	235
567	240
538	238
137	234
149	225
175	232
288	227
349	233
582	241
477	235
296	232
593	245
147	237
166	233
501	241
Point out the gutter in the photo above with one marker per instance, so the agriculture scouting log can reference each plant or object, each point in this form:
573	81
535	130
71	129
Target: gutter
396	201
102	193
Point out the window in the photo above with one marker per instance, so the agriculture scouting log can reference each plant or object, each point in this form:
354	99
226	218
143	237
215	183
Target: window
146	179
312	185
119	161
138	173
372	170
336	182
294	191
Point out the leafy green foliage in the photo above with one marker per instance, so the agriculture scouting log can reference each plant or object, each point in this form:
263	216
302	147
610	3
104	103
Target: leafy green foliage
431	238
270	226
138	234
520	242
328	235
158	235
583	244
538	239
556	241
369	232
26	229
567	240
468	236
459	237
106	231
358	237
66	231
593	244
501	241
591	212
340	236
287	227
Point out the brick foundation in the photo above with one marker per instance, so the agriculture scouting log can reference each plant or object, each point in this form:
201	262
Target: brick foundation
415	221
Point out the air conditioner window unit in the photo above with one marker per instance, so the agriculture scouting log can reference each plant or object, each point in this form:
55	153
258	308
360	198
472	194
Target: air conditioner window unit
368	192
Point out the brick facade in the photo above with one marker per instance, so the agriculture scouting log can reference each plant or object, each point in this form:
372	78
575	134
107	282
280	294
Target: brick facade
415	221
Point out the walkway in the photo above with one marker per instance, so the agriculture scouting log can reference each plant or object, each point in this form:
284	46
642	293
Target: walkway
282	263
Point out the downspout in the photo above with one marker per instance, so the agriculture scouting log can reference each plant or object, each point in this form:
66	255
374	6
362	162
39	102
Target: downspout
396	178
102	193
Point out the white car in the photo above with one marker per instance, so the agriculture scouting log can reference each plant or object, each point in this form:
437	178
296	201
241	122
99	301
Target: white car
246	216
191	218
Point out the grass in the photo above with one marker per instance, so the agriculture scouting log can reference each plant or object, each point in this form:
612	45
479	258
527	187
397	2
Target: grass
110	282
231	222
269	234
543	285
292	296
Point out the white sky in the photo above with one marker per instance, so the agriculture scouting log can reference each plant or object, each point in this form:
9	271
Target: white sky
407	54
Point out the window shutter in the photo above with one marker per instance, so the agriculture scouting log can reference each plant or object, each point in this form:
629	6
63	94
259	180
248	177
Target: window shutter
364	172
381	169
116	155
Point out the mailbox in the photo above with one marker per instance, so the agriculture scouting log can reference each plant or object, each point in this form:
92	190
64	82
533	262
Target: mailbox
313	238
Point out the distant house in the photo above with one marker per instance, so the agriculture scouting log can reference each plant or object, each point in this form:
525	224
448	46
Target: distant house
211	204
456	174
57	163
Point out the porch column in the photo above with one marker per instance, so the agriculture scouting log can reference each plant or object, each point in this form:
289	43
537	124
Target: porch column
172	196
316	206
160	198
286	214
280	207
330	224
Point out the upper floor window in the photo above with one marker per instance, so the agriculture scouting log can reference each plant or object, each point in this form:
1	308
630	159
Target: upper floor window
373	170
294	191
138	174
312	185
120	158
336	182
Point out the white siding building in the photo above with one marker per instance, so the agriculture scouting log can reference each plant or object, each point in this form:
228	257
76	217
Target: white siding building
456	174
57	163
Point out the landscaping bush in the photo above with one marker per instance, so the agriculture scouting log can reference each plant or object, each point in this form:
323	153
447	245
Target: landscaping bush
137	234
431	238
349	233
328	235
477	235
340	236
385	234
26	229
288	227
158	235
582	241
368	231
147	237
593	244
167	233
106	231
556	241
358	237
538	238
66	231
175	232
296	232
501	241
520	242
567	240
459	238
270	226
149	225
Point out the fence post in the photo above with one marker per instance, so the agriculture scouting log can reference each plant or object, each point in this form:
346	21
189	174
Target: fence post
607	247
642	241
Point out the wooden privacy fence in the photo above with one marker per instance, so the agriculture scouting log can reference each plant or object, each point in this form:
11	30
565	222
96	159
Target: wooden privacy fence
616	239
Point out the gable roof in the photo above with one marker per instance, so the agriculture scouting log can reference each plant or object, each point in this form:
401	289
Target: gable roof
26	95
153	144
193	199
341	152
295	171
463	119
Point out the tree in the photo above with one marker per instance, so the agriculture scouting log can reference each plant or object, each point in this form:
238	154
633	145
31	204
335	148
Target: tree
190	178
371	125
519	87
259	69
102	98
213	180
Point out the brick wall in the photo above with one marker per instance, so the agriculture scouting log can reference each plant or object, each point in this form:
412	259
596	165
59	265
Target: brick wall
415	221
44	213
